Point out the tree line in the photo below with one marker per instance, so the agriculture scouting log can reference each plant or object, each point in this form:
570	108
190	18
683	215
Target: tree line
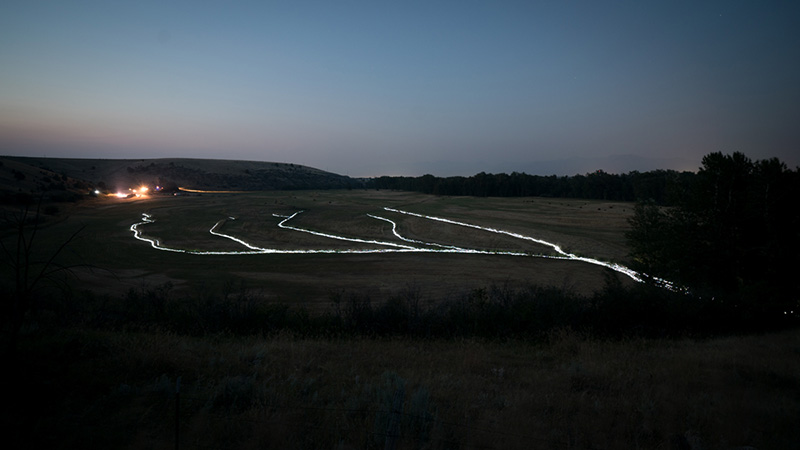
664	187
734	236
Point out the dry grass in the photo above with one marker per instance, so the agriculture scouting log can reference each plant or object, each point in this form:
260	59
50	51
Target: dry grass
283	392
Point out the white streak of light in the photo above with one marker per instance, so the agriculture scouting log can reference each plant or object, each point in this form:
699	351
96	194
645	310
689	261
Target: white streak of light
394	231
617	267
235	239
396	248
282	224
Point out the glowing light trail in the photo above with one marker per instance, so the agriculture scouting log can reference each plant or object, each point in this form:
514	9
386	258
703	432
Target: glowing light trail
394	247
201	191
619	268
235	239
634	275
156	243
394	231
283	225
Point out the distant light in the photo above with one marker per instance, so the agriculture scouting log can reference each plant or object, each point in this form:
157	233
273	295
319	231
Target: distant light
96	191
121	195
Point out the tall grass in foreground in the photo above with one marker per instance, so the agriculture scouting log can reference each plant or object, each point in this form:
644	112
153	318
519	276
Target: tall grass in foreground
98	389
493	368
495	312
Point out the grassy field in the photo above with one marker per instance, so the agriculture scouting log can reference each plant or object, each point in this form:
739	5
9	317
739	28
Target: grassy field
96	380
588	228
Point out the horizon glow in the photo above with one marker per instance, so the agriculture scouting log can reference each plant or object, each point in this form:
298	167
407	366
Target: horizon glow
362	89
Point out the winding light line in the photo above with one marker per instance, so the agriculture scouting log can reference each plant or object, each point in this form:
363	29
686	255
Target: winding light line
634	275
619	268
282	224
394	231
394	247
254	250
156	243
235	239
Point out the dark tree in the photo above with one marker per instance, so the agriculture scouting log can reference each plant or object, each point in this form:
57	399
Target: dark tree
734	233
661	186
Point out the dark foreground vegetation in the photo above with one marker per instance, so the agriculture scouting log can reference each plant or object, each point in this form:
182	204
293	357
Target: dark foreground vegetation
500	367
496	312
734	236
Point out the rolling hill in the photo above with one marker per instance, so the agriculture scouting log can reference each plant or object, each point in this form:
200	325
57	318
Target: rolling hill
30	175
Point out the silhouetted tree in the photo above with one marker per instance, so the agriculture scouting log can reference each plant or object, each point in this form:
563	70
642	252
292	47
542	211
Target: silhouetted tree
661	186
734	234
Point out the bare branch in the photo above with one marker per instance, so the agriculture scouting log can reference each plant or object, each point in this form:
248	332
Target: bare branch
44	271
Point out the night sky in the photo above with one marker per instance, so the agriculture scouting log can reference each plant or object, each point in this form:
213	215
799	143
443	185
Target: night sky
404	88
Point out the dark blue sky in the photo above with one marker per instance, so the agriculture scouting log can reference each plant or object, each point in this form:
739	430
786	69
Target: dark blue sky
371	88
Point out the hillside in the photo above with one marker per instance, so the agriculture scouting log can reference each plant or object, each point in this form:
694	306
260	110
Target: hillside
26	174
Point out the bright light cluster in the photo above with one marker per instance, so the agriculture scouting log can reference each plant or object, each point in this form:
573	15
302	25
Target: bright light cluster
137	192
140	191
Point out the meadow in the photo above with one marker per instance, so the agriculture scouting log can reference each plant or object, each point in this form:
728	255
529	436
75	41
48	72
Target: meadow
276	350
588	228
